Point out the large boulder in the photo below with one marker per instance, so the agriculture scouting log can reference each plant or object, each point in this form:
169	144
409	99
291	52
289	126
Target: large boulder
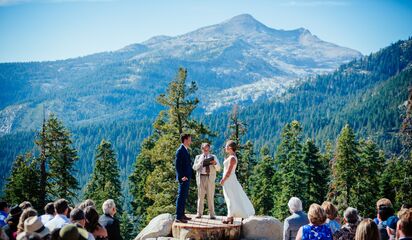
262	228
160	226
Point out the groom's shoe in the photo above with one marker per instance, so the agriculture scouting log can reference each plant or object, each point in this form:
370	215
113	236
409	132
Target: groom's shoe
212	217
181	220
186	217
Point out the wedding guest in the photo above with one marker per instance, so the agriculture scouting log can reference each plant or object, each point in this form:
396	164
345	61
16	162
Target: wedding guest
28	212
298	218
316	229
77	217
4	212
331	213
48	213
33	225
25	205
92	224
348	230
404	228
86	203
61	206
12	220
108	221
367	230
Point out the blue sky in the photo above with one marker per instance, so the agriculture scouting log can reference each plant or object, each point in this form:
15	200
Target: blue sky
35	30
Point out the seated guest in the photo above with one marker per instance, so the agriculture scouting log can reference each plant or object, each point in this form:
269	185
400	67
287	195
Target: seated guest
86	203
4	212
108	220
33	225
384	213
48	213
382	202
77	217
331	213
12	221
298	218
61	207
72	232
92	224
26	204
316	229
367	230
348	230
392	221
28	212
28	236
404	226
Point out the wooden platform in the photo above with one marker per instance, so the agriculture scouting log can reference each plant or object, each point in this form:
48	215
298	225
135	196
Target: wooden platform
206	228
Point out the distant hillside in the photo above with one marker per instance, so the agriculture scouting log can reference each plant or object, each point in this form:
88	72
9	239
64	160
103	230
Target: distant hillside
367	93
237	61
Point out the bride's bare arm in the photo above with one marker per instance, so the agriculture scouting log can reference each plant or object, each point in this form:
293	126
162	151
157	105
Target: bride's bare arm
232	164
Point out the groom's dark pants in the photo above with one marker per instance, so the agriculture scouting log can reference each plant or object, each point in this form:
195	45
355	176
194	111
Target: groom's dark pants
182	193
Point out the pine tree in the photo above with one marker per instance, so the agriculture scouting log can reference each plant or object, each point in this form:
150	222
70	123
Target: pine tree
104	182
291	170
344	168
318	174
159	184
137	179
24	181
261	183
61	182
41	142
369	171
126	227
245	155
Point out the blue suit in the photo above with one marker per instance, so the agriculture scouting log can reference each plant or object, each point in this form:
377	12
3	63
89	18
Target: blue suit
183	166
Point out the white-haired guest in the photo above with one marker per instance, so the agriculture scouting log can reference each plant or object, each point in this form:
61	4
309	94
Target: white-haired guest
296	220
108	220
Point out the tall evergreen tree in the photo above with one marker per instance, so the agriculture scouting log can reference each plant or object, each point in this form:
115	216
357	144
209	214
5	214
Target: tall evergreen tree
62	183
318	173
344	169
104	182
24	181
261	183
291	170
369	171
159	184
245	155
142	169
41	142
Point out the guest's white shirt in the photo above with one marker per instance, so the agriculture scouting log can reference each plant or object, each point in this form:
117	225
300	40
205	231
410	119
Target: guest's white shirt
57	222
46	218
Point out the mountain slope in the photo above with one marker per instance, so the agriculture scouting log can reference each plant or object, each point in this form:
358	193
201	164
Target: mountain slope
224	59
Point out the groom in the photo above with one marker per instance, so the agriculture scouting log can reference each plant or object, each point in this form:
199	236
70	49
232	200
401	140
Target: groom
183	175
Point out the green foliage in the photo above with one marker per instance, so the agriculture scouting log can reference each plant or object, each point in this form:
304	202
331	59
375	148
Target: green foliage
261	183
344	168
317	173
369	169
126	227
62	156
291	171
104	182
23	183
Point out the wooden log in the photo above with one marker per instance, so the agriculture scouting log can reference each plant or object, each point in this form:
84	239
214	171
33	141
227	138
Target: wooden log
206	228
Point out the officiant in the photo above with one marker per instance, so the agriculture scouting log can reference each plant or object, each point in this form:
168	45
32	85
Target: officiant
206	165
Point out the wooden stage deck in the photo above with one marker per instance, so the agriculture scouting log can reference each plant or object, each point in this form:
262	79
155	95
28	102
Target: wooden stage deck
206	228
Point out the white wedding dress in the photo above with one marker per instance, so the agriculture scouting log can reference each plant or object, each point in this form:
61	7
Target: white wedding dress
238	204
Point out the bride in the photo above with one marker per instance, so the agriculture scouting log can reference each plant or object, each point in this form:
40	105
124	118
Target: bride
238	204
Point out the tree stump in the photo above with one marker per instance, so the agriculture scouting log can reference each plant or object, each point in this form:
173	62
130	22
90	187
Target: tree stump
206	228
